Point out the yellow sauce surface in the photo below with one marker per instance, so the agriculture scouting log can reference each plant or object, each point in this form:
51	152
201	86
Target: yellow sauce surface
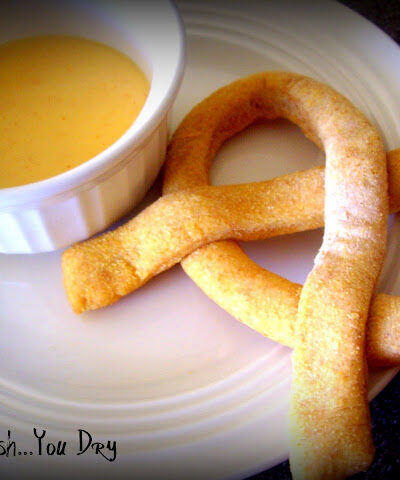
62	101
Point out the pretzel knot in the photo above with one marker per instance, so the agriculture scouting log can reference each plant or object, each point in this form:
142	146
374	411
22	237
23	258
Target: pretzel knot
331	435
329	408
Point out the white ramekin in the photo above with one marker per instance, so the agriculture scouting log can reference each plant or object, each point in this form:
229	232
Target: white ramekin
70	207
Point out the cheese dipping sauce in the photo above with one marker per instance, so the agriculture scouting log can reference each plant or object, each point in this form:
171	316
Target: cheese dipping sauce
63	100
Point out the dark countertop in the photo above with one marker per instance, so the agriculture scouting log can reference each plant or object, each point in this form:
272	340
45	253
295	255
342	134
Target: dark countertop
385	408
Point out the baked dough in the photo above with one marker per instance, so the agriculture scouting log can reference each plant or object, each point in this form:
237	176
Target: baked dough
331	435
330	425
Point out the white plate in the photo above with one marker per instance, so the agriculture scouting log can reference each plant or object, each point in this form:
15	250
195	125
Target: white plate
184	389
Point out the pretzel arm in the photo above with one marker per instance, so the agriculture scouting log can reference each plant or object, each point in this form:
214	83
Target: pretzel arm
330	424
99	271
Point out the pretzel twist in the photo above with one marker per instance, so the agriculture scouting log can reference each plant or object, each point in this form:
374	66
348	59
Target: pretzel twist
128	257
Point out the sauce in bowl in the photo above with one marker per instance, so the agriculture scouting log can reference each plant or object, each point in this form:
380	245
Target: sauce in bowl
63	100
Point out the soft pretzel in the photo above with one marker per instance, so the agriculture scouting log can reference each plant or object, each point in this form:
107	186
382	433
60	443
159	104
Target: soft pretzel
350	143
331	433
